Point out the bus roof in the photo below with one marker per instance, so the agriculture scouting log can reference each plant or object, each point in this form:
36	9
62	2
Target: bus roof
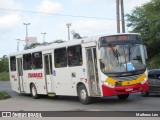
64	44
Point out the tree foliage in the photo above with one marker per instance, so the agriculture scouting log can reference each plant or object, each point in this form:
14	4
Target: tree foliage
58	41
146	21
4	64
76	35
33	45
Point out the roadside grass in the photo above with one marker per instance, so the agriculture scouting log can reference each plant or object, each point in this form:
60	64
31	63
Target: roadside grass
4	76
4	95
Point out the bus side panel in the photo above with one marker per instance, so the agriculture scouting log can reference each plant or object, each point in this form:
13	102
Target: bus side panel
14	81
62	80
78	74
67	78
37	78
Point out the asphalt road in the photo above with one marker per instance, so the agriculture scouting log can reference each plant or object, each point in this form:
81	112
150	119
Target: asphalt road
26	103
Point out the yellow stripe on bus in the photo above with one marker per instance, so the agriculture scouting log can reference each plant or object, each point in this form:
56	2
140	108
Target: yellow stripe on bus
128	82
111	81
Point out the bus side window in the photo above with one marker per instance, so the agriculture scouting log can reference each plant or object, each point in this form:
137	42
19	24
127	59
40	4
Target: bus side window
37	60
60	58
74	55
13	63
27	62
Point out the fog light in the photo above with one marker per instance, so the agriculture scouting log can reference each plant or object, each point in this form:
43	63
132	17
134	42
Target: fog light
108	85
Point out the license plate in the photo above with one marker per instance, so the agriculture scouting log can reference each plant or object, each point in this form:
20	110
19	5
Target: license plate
129	89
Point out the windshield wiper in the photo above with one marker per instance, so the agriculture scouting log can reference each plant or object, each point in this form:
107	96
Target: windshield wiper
123	74
115	53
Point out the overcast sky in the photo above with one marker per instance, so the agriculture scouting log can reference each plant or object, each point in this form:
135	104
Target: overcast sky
11	21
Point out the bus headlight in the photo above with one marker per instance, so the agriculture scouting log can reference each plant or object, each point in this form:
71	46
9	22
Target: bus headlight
108	85
143	81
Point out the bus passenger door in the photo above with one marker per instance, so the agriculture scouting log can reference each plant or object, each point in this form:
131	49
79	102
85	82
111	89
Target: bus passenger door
92	71
20	74
48	72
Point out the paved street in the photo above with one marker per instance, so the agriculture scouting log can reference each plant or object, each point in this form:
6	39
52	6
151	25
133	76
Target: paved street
27	103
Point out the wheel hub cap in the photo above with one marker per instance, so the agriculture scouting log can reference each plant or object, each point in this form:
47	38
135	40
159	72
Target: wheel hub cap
83	94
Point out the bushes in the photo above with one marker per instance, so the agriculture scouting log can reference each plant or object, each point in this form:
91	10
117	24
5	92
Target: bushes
4	64
154	62
4	76
4	95
4	71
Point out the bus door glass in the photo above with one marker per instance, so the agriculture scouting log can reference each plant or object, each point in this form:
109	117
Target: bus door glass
48	72
92	70
20	74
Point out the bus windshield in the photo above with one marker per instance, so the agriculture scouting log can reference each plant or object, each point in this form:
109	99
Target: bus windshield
124	58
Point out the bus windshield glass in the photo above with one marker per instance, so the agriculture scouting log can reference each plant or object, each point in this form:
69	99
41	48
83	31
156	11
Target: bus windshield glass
123	58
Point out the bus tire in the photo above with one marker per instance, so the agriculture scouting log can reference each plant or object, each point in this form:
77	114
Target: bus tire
83	95
123	96
145	94
34	92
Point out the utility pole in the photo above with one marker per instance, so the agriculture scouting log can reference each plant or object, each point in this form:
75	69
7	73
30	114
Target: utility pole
43	37
68	26
120	3
122	17
118	16
27	40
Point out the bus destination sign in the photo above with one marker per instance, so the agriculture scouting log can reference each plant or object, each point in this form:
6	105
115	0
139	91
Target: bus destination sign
120	38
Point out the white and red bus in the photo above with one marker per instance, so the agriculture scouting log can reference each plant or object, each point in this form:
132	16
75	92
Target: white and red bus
109	65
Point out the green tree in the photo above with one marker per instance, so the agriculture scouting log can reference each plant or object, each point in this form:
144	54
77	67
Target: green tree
4	64
146	21
58	41
32	46
76	35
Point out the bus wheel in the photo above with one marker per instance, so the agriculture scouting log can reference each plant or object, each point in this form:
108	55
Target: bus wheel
123	97
145	94
83	95
34	92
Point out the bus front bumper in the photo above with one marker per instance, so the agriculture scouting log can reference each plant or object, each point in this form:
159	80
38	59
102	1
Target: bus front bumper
118	90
